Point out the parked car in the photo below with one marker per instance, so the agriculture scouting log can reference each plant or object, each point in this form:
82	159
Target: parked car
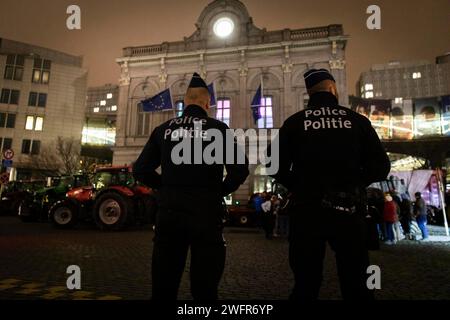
35	206
113	201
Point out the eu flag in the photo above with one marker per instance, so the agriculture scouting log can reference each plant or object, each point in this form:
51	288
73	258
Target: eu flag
161	101
256	103
212	94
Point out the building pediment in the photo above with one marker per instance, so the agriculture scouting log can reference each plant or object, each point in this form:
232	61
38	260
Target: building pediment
227	24
238	18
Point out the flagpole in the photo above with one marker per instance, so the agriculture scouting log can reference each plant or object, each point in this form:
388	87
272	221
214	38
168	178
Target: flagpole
442	200
262	89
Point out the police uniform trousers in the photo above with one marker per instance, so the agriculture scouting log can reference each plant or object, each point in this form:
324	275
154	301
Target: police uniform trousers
188	218
311	228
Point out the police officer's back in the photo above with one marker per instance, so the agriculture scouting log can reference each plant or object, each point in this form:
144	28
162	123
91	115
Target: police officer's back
191	193
328	155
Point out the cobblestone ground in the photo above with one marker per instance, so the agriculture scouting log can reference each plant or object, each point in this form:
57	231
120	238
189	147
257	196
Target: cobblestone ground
34	258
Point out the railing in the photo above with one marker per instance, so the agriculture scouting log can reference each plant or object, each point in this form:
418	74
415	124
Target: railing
266	37
143	51
314	33
309	34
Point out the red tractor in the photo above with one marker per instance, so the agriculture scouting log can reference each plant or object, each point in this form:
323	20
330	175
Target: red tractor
113	201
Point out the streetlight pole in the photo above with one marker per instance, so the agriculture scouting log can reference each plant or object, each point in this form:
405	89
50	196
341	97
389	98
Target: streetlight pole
441	196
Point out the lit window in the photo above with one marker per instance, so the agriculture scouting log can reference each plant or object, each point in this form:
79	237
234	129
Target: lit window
103	103
368	86
362	89
30	123
369	94
109	96
223	110
417	75
97	109
45	77
39	123
265	110
179	106
41	71
305	100
114	108
398	100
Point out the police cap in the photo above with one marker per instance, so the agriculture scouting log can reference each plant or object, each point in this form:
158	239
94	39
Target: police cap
314	76
197	82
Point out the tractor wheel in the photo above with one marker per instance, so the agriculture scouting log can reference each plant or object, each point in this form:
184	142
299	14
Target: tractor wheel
63	215
243	220
112	211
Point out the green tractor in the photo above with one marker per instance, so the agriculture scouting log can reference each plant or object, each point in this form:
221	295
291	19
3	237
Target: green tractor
35	206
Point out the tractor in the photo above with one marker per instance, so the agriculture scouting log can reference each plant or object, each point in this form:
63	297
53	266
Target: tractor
113	201
35	206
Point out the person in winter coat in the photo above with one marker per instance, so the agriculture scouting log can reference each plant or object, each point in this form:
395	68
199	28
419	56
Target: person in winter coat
390	216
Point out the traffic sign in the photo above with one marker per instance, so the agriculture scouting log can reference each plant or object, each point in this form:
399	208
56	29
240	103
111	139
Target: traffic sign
8	154
4	178
7	163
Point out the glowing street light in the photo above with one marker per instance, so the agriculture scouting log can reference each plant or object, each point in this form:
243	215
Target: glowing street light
223	27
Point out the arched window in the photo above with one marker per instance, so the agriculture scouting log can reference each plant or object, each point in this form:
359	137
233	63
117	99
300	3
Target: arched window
223	110
305	100
143	121
261	181
265	110
179	108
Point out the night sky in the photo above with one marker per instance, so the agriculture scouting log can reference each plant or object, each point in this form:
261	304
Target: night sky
411	30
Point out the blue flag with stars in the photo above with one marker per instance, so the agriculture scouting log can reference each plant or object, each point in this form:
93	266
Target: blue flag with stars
212	94
256	103
161	101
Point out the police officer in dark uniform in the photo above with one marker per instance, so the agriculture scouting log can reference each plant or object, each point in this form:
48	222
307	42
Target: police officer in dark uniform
328	155
190	197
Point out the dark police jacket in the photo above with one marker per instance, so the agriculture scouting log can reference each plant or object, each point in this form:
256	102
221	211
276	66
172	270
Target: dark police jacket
188	176
329	148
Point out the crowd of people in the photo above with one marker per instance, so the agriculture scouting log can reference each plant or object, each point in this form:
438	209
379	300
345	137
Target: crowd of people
402	218
272	213
398	216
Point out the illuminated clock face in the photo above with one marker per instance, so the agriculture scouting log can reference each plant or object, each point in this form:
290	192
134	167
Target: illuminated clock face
223	27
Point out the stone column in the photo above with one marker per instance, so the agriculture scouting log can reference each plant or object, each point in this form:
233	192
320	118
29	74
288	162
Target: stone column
244	107
288	107
337	68
123	107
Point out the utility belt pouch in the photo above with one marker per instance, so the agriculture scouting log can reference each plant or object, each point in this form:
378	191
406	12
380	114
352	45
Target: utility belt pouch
345	202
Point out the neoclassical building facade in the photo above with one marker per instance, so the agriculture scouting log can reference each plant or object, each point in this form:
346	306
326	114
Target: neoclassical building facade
230	51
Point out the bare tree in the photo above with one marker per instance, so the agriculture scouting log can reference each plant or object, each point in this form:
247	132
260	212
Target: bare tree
68	151
60	157
46	162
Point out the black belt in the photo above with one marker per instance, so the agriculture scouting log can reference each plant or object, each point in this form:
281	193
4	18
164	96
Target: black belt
329	205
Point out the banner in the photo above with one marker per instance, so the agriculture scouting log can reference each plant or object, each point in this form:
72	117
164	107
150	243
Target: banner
402	120
378	112
427	117
445	101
